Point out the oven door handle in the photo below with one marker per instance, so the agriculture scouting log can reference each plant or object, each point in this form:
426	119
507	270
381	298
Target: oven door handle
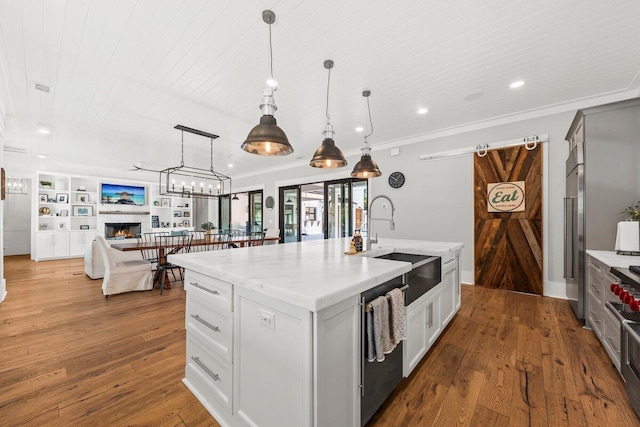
632	334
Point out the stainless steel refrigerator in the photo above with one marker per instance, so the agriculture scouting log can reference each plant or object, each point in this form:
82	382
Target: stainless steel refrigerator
602	178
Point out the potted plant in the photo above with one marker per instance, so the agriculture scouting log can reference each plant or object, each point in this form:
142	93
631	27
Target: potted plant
633	211
208	226
45	183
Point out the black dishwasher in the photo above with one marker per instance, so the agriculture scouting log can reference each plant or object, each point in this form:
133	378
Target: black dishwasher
378	379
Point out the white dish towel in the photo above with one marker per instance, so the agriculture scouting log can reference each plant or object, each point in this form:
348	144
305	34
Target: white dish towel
398	316
380	331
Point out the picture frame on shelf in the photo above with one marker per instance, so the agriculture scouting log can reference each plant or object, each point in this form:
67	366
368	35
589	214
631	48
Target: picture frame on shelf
82	197
165	203
62	198
186	214
177	214
64	213
83	211
84	227
42	198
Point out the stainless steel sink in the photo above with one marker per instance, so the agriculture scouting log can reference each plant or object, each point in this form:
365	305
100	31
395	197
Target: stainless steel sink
424	275
399	256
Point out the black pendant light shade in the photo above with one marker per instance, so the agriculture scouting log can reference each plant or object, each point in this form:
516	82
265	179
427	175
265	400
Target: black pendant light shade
267	139
366	167
328	156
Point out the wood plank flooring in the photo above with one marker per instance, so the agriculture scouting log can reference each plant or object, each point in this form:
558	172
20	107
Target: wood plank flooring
69	356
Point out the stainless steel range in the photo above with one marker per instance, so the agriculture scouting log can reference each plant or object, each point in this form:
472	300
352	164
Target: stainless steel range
627	311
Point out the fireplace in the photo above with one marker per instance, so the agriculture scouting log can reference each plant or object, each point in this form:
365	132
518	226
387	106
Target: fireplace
121	230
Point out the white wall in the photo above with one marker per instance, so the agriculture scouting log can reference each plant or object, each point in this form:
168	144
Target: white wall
436	203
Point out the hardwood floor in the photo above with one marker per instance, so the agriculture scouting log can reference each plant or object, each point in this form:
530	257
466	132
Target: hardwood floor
69	356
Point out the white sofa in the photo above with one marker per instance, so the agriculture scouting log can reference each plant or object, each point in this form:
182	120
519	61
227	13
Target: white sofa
94	264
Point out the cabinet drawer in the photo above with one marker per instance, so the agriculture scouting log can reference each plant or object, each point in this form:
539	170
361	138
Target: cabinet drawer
210	375
448	262
595	288
216	292
595	310
612	337
211	325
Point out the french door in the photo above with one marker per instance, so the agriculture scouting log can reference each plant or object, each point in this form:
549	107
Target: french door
328	210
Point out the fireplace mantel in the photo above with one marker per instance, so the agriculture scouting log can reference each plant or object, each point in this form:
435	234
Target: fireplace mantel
123	213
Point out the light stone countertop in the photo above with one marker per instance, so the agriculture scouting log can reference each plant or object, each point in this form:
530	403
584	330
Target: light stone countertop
612	259
310	275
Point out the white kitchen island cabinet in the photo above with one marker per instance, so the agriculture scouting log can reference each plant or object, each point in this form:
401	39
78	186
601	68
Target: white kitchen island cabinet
274	334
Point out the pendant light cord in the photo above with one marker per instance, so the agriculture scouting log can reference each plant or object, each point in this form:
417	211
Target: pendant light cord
328	84
211	168
182	154
271	58
370	121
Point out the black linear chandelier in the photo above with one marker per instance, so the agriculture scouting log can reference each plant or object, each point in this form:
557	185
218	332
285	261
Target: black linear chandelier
189	181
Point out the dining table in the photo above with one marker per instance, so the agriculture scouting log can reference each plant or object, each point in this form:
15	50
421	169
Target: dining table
240	241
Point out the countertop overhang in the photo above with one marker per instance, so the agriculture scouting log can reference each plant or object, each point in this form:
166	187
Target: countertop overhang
310	275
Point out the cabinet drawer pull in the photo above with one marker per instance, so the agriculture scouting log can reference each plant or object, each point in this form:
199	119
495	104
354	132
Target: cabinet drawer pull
211	291
609	339
448	262
430	314
595	289
205	323
446	273
213	375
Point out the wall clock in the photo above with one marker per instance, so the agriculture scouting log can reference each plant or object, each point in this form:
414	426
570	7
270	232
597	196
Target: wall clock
396	180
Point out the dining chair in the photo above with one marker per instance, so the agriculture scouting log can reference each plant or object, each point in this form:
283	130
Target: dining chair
198	236
170	245
150	254
256	238
272	232
123	276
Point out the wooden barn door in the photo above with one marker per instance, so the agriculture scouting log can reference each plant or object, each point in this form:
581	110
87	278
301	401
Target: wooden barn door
508	244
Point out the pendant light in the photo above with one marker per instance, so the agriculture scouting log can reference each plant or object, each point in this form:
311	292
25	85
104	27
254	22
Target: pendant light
267	139
366	167
328	156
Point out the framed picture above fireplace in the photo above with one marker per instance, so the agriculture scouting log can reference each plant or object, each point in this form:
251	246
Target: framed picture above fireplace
115	194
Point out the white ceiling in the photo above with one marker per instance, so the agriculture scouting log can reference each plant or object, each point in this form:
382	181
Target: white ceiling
123	73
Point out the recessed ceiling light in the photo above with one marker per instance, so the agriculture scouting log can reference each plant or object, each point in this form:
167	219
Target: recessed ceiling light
44	131
423	111
230	165
359	129
516	84
42	156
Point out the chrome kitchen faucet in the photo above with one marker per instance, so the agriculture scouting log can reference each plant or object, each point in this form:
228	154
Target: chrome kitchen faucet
392	224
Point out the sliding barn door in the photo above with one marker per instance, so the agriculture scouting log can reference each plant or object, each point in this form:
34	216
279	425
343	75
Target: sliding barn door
508	219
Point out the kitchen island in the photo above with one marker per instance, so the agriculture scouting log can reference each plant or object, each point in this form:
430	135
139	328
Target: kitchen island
273	332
